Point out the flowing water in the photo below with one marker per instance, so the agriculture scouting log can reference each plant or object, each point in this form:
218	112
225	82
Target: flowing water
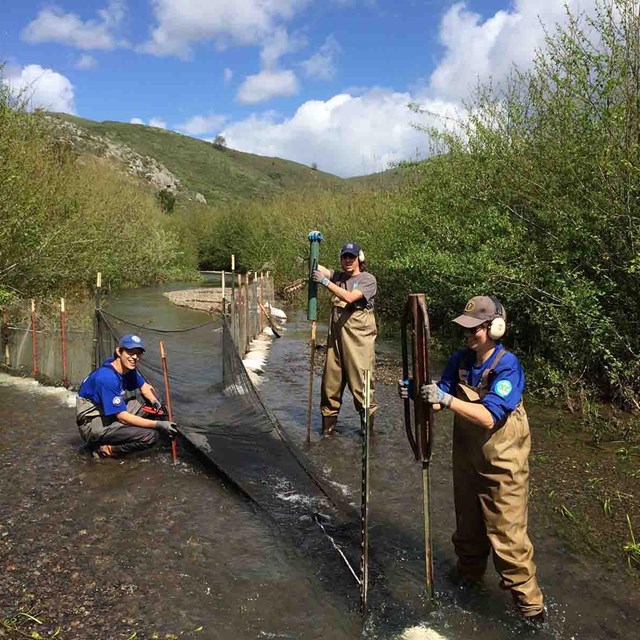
109	549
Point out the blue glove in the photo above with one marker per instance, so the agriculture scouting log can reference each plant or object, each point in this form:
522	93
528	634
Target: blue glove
433	394
320	278
405	389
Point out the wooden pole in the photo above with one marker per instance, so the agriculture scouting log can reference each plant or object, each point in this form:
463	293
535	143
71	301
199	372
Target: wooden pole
63	338
240	314
96	326
269	301
5	335
261	301
34	342
246	312
223	294
167	397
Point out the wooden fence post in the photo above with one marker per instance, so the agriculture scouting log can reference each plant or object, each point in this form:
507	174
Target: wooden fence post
63	338
34	342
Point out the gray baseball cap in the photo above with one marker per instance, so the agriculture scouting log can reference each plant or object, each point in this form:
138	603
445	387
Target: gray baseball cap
478	310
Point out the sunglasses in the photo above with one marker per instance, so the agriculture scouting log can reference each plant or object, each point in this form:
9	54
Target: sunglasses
470	332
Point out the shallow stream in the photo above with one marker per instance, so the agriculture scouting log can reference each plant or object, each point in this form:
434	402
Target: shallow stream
105	550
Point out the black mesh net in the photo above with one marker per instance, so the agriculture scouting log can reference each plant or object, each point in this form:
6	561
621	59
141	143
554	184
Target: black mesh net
222	416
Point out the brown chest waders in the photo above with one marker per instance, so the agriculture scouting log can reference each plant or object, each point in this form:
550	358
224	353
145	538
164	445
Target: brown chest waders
415	364
491	488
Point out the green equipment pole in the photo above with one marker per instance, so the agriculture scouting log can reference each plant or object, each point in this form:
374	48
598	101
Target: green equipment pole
315	238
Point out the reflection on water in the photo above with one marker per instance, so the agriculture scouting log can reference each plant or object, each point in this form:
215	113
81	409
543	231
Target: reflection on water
140	545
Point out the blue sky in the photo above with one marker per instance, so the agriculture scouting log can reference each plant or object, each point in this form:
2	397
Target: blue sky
313	81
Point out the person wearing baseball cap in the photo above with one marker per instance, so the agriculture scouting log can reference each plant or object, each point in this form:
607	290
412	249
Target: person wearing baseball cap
482	384
352	334
108	411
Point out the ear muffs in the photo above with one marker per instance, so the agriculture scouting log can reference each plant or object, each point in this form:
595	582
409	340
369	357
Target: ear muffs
498	325
361	256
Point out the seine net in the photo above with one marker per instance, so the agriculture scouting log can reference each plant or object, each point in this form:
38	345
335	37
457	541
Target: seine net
221	414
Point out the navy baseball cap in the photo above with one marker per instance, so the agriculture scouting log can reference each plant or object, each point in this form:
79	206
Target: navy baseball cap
351	248
131	341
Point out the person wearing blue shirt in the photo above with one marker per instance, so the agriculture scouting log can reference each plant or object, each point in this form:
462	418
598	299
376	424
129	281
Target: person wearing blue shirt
108	407
482	384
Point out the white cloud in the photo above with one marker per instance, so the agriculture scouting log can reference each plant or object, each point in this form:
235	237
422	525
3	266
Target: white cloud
42	87
228	75
322	63
180	24
479	50
158	123
347	135
278	44
199	125
267	84
53	25
85	61
154	122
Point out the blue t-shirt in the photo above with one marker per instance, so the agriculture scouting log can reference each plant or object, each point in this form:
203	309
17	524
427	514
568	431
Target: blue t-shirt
106	387
506	384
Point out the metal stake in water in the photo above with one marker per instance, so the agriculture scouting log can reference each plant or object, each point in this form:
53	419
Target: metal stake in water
364	498
315	238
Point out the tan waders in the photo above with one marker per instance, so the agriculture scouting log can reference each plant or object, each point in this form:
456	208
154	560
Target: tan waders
491	487
350	350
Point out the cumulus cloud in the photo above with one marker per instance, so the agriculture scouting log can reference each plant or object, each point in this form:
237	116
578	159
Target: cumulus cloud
201	125
180	24
42	88
53	25
477	49
322	64
85	61
154	122
266	85
347	135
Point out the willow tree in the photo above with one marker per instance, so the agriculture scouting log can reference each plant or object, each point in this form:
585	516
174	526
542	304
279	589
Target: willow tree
536	199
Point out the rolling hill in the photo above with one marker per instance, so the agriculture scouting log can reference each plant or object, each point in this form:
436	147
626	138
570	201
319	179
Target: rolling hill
198	170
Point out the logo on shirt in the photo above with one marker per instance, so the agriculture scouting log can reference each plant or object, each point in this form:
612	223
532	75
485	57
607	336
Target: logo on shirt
503	388
117	401
355	285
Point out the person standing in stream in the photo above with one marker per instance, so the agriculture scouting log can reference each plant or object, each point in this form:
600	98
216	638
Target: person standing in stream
482	384
352	334
108	407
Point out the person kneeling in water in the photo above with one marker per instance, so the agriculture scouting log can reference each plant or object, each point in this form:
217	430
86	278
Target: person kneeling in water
107	406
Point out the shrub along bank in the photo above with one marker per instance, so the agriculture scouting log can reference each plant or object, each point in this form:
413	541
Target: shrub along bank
531	196
66	217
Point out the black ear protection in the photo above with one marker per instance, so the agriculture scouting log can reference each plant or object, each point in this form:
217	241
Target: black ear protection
498	324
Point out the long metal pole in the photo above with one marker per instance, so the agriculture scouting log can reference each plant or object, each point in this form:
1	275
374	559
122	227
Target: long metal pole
34	342
63	339
426	511
167	396
312	365
364	497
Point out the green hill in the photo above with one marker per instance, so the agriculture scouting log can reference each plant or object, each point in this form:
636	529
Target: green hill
218	173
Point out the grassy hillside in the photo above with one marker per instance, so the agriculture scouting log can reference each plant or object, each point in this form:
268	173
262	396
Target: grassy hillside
219	174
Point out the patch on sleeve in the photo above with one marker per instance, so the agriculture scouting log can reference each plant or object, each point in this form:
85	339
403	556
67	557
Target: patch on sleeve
503	388
117	401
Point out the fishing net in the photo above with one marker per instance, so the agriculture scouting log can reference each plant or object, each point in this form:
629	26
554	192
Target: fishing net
223	418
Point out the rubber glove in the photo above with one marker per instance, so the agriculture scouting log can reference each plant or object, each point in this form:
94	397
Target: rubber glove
433	394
